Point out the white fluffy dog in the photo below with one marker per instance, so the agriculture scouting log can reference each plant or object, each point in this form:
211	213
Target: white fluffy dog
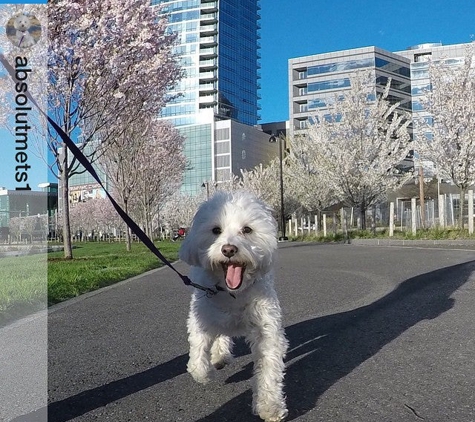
231	247
23	37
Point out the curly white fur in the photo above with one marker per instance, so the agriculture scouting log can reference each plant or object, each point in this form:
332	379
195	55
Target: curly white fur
231	245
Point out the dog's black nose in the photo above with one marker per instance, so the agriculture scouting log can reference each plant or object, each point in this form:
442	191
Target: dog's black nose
229	250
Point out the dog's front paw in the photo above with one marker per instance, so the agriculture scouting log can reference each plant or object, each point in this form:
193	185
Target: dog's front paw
222	361
272	413
279	417
200	374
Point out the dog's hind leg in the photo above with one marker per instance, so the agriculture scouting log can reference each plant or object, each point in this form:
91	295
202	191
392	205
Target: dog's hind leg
221	351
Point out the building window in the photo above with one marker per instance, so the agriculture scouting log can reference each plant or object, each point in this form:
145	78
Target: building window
316	103
222	134
425	57
417	106
332	84
223	160
340	66
222	147
404	86
392	67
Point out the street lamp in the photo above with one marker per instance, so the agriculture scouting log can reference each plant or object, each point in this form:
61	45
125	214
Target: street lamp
206	185
273	139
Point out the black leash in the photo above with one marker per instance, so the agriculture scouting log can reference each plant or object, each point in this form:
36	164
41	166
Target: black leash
87	165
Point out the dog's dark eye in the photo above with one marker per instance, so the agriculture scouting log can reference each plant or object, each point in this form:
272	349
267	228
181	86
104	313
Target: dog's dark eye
246	230
216	230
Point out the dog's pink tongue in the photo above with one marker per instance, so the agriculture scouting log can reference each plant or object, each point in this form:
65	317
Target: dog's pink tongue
233	276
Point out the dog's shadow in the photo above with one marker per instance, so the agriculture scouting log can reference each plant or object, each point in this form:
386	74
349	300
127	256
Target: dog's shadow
322	351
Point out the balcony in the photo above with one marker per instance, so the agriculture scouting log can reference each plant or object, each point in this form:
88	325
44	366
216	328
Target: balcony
208	30
208	18
207	100
208	64
209	6
208	53
207	88
208	41
208	76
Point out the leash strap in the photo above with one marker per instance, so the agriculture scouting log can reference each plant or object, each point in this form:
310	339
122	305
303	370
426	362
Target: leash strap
87	165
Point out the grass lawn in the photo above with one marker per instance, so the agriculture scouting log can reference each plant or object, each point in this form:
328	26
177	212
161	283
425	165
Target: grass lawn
23	285
100	264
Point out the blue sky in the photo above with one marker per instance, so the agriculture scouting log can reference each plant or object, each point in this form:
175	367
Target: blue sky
304	27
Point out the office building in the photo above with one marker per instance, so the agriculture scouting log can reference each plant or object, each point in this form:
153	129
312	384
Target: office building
23	203
218	42
420	57
315	80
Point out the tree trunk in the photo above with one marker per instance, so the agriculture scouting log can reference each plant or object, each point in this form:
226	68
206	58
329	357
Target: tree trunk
363	216
128	237
68	249
462	207
422	197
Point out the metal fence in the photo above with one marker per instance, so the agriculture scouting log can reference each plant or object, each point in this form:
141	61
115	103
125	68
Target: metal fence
404	214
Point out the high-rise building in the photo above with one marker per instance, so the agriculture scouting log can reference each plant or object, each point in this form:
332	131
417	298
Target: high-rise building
219	49
218	42
316	79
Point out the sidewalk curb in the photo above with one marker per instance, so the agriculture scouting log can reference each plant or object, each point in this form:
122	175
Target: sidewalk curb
414	243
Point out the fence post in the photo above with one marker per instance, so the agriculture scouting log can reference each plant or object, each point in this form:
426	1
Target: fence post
324	222
470	212
431	211
451	208
441	211
413	215
391	219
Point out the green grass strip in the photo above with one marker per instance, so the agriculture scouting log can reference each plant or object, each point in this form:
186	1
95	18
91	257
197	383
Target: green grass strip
23	285
100	264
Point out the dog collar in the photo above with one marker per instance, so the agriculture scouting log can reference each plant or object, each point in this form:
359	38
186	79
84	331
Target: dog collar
221	289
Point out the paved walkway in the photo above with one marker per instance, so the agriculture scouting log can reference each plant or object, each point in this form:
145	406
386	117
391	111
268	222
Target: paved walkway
376	334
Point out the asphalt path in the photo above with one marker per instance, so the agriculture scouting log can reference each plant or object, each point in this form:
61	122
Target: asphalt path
376	334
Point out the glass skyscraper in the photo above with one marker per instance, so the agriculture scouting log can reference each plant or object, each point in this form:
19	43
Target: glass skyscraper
218	42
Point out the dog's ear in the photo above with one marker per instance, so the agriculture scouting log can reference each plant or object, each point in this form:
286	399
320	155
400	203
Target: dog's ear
188	250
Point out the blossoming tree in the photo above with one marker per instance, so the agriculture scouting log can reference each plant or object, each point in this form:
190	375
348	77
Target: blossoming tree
447	137
144	165
111	62
355	145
